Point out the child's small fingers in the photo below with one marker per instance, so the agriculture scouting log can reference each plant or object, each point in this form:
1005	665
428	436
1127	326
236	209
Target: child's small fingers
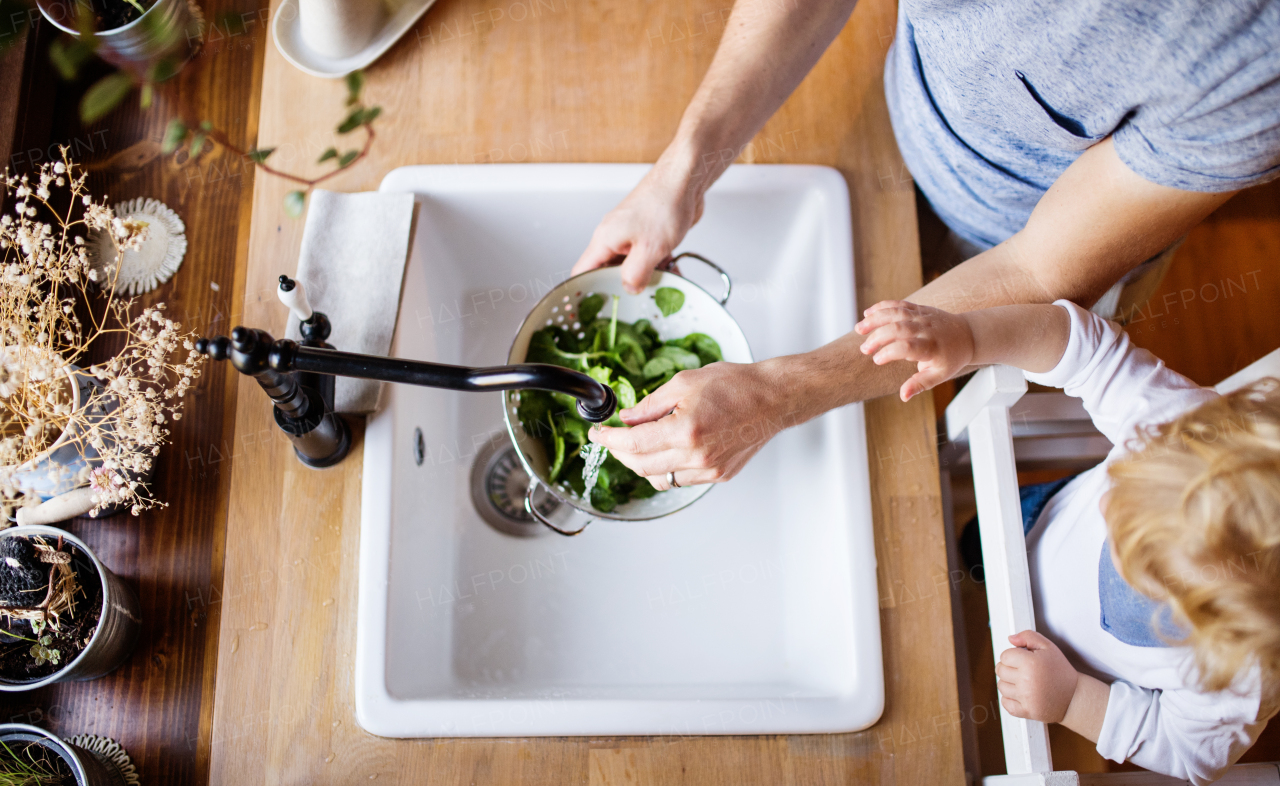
1014	708
884	304
885	335
878	319
1029	639
898	350
922	380
1015	658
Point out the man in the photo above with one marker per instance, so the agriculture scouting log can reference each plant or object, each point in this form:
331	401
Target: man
1071	140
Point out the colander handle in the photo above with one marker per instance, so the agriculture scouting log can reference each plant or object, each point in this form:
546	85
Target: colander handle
533	511
728	282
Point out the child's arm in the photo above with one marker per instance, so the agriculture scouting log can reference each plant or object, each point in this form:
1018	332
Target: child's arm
1037	682
1183	733
1029	337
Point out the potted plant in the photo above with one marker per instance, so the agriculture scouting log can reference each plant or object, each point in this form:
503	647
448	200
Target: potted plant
31	756
63	614
137	35
69	427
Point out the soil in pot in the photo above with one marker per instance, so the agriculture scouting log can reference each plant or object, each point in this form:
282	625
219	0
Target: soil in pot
50	604
110	14
33	764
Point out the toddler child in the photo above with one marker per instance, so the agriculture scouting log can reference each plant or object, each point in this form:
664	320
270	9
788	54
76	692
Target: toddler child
1156	575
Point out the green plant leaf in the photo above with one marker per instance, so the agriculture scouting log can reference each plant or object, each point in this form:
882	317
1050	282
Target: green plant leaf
260	155
352	122
558	440
66	55
197	143
163	69
589	308
327	154
105	95
347	158
146	94
370	115
669	300
355	81
682	358
656	367
294	203
174	133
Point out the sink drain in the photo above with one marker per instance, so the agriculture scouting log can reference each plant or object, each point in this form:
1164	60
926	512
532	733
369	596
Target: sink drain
498	486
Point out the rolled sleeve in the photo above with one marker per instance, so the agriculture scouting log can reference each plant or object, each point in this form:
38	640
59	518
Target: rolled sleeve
1120	385
1179	733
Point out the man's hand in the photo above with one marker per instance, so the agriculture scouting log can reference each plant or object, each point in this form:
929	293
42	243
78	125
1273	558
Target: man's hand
1035	680
646	227
705	424
938	342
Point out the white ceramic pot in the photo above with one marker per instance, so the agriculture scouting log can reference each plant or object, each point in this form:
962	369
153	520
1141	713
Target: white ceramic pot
59	468
701	313
339	28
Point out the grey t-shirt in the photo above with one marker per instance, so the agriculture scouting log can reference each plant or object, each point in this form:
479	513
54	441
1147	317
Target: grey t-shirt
992	99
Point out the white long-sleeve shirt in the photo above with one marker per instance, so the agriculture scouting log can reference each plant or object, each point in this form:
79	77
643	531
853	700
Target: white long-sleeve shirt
1155	715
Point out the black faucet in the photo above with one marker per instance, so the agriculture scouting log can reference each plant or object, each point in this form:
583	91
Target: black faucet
298	377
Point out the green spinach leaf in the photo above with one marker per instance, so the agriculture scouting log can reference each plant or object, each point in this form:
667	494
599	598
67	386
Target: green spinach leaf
669	300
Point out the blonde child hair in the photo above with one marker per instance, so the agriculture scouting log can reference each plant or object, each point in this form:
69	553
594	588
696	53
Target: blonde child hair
1194	518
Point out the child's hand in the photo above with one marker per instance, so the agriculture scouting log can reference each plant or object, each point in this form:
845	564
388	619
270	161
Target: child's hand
940	343
1036	681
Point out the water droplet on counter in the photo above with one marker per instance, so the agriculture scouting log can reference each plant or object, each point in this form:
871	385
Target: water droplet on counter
328	758
258	626
235	645
327	602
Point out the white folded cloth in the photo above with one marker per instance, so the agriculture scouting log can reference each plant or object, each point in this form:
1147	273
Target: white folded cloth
354	248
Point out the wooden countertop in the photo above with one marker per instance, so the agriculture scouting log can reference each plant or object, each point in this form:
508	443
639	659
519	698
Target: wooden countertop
560	80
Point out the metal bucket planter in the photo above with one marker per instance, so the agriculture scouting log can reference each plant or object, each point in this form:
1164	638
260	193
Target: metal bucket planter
119	623
88	767
172	29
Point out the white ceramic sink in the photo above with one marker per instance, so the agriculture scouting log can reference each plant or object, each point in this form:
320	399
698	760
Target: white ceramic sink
753	611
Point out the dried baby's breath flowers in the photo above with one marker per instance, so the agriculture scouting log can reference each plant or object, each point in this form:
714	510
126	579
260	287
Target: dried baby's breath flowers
54	305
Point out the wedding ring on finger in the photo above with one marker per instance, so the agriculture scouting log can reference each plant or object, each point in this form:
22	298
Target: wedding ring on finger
671	480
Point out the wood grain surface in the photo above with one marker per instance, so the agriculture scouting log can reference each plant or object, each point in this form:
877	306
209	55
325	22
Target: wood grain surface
562	80
158	702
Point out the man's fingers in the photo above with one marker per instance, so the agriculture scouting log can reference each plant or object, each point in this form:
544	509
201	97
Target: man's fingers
639	265
598	254
654	406
685	477
645	438
651	465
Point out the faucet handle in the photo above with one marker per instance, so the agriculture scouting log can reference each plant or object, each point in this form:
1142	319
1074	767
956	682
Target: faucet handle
292	294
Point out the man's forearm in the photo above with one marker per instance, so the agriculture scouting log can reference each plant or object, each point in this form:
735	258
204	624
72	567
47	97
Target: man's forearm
838	373
766	51
1097	222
